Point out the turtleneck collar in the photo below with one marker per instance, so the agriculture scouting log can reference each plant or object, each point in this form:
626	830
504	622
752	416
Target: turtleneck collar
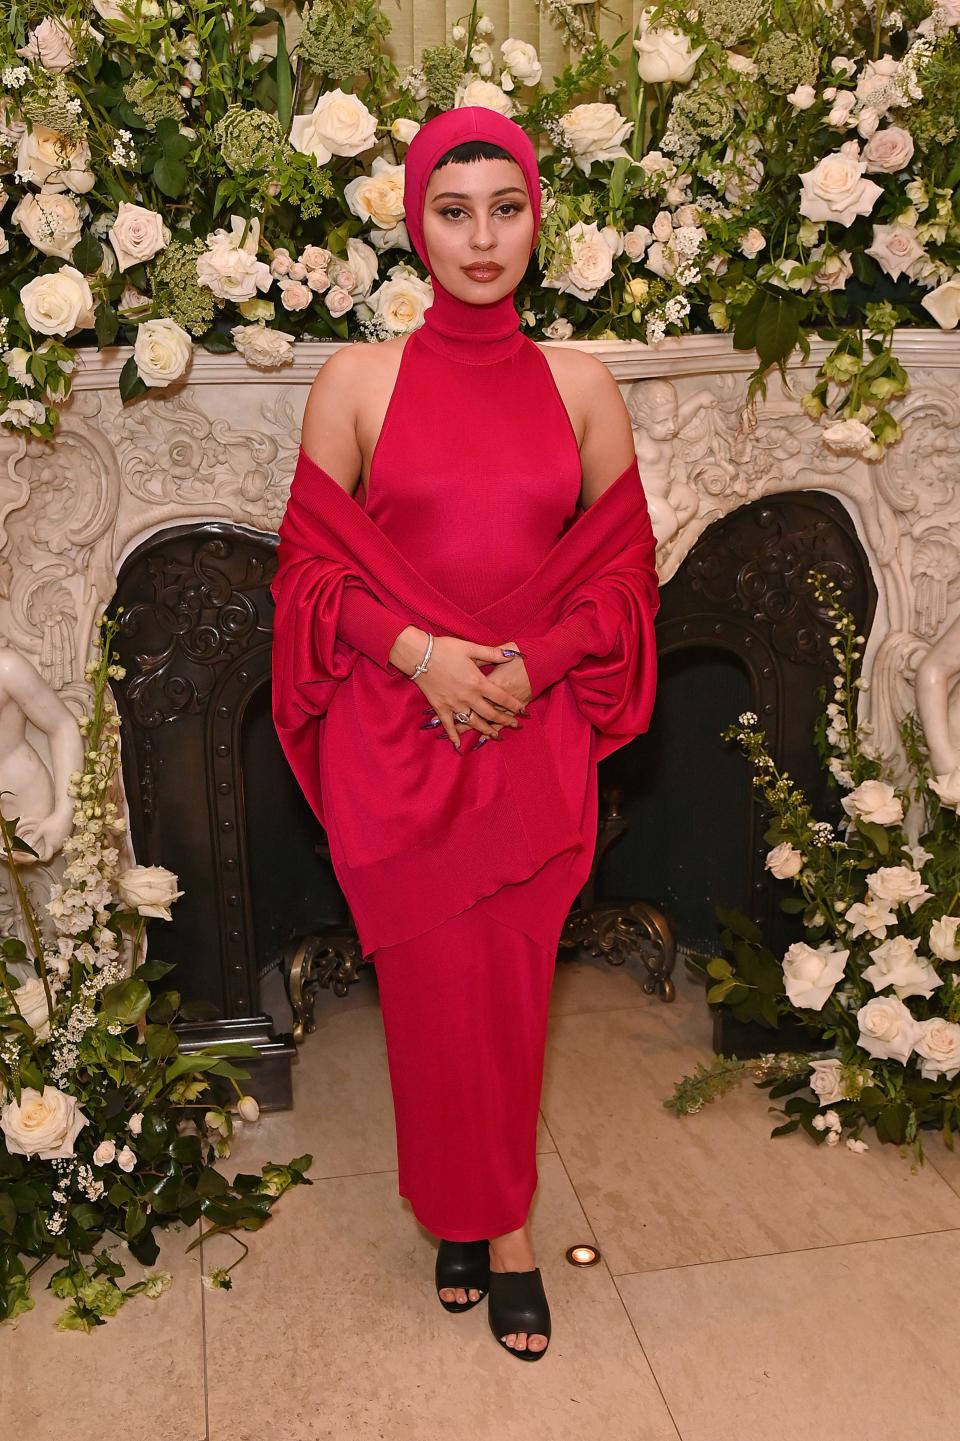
473	333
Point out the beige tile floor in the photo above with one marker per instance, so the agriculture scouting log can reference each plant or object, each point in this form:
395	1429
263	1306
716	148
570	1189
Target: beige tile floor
751	1289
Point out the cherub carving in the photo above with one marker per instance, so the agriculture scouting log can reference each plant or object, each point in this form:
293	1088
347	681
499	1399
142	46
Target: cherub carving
658	416
30	792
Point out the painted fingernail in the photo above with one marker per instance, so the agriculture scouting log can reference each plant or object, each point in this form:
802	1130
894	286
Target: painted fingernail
520	653
483	740
428	725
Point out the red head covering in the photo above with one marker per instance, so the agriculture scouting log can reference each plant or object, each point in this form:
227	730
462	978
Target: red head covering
442	133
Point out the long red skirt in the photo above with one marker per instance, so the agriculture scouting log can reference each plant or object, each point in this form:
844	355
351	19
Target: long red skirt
465	1016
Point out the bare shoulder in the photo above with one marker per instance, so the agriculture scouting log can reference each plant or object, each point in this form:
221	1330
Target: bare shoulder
598	413
334	418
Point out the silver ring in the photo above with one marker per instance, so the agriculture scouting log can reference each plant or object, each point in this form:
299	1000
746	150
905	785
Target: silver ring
462	716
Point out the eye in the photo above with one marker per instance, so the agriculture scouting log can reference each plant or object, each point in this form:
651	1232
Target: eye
511	205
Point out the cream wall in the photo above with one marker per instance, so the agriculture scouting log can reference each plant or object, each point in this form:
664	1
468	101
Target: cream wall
417	23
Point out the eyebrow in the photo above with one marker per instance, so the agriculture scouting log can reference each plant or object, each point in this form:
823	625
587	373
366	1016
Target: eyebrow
459	194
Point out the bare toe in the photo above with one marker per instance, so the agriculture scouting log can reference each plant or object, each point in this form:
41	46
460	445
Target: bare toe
448	1293
536	1343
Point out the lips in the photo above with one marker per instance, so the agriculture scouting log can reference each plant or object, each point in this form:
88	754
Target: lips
483	269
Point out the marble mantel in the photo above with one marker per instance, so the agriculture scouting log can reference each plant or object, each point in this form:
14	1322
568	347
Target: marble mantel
221	446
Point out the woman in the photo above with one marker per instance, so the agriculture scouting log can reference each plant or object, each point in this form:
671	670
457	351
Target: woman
501	565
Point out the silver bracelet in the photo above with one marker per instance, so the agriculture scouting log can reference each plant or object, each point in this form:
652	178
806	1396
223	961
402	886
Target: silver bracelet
426	658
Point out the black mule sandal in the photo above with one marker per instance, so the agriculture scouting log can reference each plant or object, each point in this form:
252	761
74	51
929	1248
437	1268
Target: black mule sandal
518	1302
466	1264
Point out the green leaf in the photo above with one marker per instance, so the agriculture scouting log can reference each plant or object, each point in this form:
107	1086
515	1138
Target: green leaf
284	79
130	382
87	254
877	835
777	327
793	905
170	177
737	922
719	967
217	343
106	324
126	1001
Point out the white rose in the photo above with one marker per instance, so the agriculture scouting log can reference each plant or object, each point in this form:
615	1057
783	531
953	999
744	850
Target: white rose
401	300
338	301
16	362
887	1029
943	938
339	124
836	190
105	1153
559	329
58	303
396	238
826	1083
834	270
947	788
888	150
867	122
848	436
944	303
403	130
810	976
263	347
233	274
752	243
248	1108
803	97
474	91
521	60
48	159
24	413
784	861
855	1144
51	222
31	1001
379	195
363	262
591	265
636	241
162	351
595	132
43	1124
294	295
137	234
132	302
135	1123
151	890
876	80
895	247
126	1159
896	963
899	885
741	64
874	801
243	235
51	44
938	1043
871	916
664	54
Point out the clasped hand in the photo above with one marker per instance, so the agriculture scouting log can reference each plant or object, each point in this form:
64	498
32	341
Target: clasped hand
453	681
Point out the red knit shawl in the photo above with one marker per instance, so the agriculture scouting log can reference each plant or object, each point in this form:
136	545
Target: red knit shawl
395	801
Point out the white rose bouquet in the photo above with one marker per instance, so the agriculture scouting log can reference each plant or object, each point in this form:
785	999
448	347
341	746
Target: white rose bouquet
876	980
102	1124
732	166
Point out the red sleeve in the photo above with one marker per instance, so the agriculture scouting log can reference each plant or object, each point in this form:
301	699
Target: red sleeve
547	658
368	625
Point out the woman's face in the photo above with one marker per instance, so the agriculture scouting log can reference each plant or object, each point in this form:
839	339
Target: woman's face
478	212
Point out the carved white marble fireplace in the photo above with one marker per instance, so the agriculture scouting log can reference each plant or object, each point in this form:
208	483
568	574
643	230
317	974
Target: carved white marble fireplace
221	447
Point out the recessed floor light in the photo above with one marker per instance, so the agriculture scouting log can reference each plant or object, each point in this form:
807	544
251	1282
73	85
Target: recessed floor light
583	1255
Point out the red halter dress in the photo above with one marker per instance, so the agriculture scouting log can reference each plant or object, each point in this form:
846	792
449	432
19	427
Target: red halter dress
475	477
476	495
